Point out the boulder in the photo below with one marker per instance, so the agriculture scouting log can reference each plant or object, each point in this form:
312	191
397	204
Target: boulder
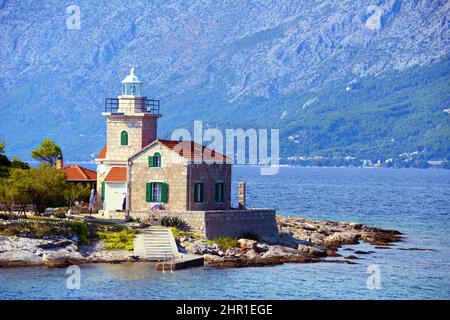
247	244
61	258
251	254
313	250
19	258
340	238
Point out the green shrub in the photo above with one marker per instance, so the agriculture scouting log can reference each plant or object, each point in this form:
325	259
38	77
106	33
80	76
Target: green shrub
176	222
121	240
177	233
60	215
8	216
225	242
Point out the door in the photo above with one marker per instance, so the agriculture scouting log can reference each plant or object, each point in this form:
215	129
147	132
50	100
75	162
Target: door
114	196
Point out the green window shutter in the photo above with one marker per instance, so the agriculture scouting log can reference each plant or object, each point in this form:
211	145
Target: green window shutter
103	190
219	192
148	192
164	192
151	161
124	138
197	192
216	194
201	192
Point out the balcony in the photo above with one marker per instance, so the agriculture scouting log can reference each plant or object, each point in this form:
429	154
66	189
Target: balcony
132	105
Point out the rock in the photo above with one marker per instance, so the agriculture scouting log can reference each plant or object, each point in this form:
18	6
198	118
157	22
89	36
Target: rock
362	252
417	249
340	238
251	254
61	258
232	252
314	251
211	258
19	258
196	247
332	252
280	251
56	244
247	244
351	257
260	248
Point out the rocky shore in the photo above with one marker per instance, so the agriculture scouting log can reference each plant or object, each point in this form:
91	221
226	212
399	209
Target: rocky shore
301	241
54	253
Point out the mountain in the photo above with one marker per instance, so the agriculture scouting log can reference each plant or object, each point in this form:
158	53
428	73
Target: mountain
365	79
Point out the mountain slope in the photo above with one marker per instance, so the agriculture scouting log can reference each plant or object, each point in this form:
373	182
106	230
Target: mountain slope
233	64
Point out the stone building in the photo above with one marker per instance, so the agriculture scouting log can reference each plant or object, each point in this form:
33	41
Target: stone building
143	176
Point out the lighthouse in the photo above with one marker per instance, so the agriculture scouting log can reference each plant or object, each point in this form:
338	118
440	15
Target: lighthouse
131	124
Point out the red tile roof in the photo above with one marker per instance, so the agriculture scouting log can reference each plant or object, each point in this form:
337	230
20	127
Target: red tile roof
193	151
102	153
117	174
78	173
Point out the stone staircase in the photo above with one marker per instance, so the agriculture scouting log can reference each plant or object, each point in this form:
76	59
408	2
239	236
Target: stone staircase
155	244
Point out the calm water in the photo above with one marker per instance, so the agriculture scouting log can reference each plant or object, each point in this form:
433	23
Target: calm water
416	202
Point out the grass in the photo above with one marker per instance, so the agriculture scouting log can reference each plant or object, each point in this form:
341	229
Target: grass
49	229
178	233
121	240
116	237
225	242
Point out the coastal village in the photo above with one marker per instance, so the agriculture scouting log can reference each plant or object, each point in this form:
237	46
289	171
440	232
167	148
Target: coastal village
162	201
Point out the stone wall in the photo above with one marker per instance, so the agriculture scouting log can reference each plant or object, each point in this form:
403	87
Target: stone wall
141	131
209	174
172	171
218	223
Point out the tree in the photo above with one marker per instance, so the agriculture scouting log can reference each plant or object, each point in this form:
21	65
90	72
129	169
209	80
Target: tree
74	192
17	163
13	191
42	187
48	152
4	161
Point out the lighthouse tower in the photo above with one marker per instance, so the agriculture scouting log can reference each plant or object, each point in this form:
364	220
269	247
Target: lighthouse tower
131	124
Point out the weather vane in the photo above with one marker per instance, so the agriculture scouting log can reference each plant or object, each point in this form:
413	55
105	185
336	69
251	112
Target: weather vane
132	66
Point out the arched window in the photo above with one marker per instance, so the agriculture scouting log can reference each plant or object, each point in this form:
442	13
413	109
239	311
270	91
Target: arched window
124	138
155	160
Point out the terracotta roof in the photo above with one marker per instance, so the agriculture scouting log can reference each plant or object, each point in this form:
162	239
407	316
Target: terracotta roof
192	150
117	174
102	153
78	173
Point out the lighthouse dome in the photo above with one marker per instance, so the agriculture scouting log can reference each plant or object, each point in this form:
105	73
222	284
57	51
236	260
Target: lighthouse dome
131	85
131	78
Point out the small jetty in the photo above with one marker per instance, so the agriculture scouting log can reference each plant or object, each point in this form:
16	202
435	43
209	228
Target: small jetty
157	244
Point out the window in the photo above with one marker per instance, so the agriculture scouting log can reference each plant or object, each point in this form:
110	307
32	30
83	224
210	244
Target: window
156	192
155	161
198	192
219	192
124	138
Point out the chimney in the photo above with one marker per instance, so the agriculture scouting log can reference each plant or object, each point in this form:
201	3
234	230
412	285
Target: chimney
59	162
241	194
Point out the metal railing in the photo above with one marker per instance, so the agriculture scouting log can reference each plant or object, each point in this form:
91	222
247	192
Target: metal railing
132	105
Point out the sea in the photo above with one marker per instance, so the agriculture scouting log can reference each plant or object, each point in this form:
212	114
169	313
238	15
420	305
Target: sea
413	201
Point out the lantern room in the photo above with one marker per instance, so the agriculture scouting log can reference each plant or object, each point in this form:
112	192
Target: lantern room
131	85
